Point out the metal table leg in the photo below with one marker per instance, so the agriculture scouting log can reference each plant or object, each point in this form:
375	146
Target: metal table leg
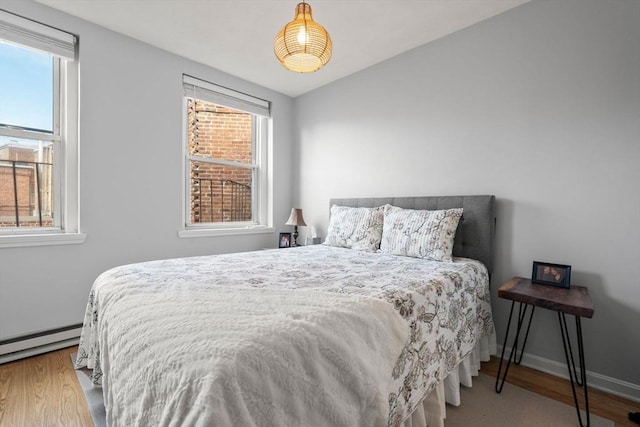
513	356
571	366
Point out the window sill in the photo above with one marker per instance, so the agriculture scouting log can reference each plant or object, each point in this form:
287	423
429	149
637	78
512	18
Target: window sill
22	240
214	232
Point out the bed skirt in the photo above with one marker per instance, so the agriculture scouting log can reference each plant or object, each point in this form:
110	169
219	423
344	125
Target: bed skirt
432	411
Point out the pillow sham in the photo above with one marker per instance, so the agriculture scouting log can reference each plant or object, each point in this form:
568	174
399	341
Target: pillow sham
355	228
420	233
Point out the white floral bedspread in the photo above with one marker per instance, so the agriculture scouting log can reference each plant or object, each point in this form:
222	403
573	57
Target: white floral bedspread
360	338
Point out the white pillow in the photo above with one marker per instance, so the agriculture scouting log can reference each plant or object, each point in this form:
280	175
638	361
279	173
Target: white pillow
355	228
420	233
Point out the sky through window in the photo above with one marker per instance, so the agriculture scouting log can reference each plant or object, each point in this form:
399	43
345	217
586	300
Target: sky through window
26	88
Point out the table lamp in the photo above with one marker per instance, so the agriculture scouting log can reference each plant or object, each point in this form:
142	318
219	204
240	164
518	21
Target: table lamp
296	220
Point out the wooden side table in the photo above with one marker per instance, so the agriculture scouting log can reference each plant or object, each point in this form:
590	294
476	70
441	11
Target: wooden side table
573	301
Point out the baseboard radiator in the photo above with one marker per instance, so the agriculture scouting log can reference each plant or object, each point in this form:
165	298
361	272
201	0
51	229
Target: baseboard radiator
38	343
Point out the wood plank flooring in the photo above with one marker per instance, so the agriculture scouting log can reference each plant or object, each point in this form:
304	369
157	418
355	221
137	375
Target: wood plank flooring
44	391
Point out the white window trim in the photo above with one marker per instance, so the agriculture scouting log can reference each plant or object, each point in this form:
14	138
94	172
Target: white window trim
262	194
214	232
67	159
19	241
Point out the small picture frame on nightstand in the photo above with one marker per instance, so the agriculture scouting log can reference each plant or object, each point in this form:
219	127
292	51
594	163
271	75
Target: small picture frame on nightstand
285	240
545	273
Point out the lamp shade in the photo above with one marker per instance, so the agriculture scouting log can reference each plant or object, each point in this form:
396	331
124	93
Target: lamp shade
295	218
303	45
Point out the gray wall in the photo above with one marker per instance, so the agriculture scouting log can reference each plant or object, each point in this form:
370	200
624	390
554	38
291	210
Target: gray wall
130	175
539	106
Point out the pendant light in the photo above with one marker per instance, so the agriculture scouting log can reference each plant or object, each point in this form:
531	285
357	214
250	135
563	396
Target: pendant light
303	45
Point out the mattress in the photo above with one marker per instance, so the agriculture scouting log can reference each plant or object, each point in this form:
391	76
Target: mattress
312	335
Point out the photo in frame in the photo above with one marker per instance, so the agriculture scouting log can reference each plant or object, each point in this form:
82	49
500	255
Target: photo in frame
545	273
285	240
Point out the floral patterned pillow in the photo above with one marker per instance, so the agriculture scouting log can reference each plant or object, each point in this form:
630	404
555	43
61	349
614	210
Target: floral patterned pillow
355	228
420	233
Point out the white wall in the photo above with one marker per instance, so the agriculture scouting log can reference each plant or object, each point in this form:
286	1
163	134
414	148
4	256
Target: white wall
539	106
130	177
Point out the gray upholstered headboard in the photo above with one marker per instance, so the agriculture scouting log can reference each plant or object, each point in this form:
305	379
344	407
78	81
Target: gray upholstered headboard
476	231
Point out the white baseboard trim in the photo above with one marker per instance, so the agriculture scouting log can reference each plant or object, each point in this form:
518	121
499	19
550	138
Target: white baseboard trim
594	380
34	344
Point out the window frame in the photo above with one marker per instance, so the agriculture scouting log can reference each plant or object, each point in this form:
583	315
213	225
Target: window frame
29	34
262	189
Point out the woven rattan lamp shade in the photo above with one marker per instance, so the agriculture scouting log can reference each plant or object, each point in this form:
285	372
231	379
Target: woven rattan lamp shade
303	45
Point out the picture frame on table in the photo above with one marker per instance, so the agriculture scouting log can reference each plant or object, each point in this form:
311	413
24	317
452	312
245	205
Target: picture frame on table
545	273
284	241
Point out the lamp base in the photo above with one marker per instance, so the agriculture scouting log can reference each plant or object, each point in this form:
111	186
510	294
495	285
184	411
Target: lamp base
295	236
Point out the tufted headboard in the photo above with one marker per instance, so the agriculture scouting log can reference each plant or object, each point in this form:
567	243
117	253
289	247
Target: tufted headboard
476	231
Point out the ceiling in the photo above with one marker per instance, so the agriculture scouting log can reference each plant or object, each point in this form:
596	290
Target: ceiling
236	36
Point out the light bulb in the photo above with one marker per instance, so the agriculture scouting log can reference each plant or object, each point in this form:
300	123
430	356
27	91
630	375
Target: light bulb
302	36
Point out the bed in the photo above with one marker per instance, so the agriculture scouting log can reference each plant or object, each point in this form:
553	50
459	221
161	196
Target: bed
335	334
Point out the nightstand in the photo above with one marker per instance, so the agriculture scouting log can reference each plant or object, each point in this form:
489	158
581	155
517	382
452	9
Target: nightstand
573	301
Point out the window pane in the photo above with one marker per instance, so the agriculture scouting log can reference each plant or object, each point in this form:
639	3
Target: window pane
26	85
219	132
26	183
220	193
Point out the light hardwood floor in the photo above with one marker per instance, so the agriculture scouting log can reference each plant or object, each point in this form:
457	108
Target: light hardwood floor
44	391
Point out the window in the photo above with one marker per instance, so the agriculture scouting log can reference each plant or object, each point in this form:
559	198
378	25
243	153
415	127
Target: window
38	134
226	160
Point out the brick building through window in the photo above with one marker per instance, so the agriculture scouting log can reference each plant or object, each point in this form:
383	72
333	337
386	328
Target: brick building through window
220	192
26	185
